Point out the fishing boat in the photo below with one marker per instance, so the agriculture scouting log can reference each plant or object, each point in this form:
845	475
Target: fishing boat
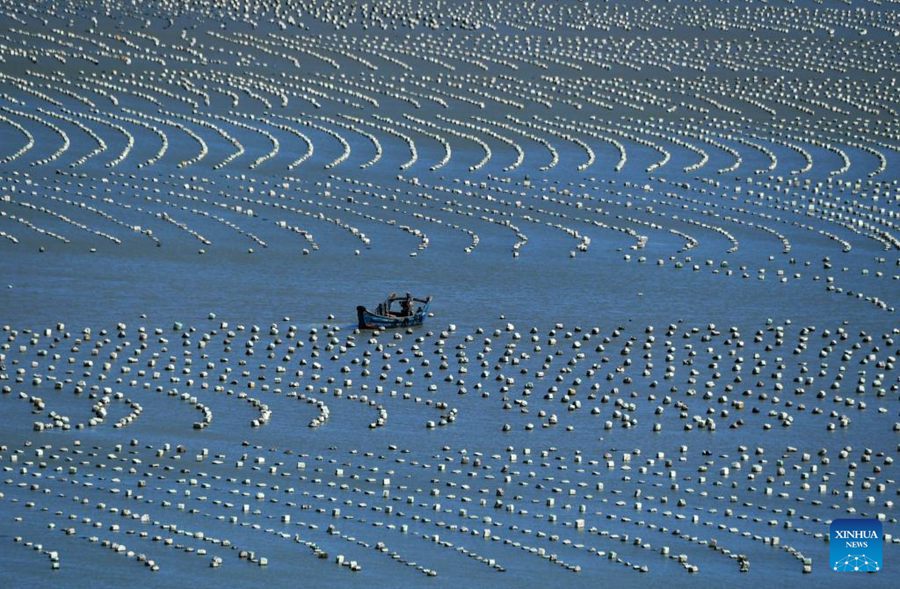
394	311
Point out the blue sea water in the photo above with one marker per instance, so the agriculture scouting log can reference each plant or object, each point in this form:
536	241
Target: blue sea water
519	459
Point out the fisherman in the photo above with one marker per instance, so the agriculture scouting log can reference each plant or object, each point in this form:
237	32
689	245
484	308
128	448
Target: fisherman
406	306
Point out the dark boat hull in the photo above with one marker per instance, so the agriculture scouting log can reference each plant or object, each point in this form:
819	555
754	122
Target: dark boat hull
369	320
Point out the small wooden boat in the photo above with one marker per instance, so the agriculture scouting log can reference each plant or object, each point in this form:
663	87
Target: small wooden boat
406	313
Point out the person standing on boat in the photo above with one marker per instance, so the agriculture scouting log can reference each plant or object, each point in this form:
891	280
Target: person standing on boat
406	306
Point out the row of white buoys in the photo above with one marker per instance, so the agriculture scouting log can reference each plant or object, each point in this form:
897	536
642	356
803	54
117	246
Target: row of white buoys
101	144
29	140
563	388
203	150
627	460
52	555
324	412
704	203
66	142
172	86
581	247
473	16
445	144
